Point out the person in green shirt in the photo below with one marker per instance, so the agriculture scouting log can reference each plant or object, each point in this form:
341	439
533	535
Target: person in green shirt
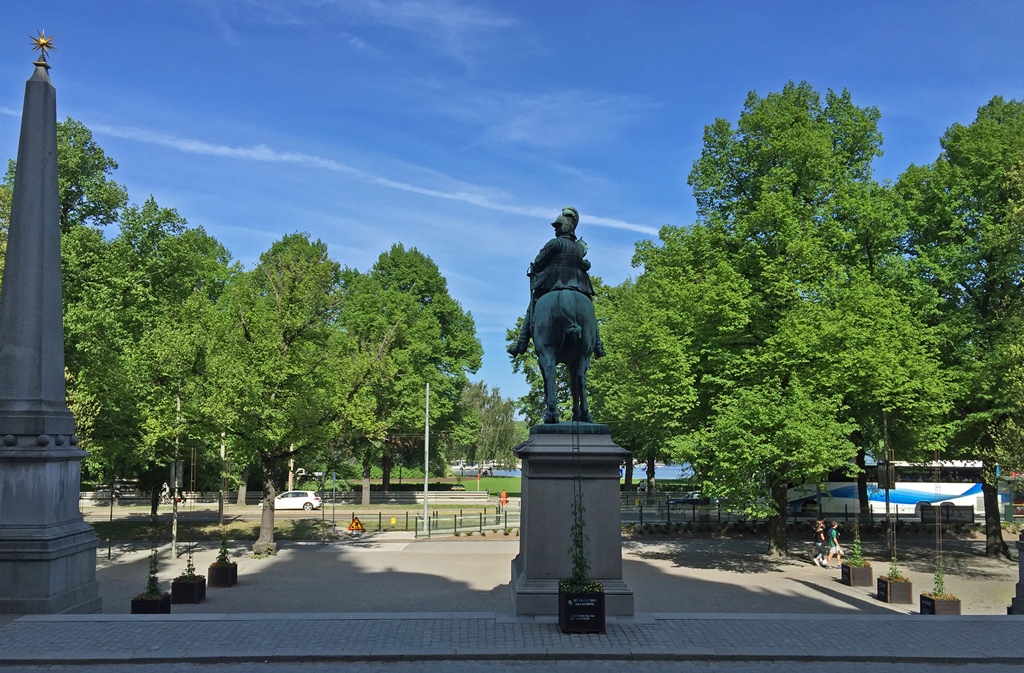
833	547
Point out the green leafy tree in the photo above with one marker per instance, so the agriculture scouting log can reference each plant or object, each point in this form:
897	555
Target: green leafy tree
129	303
432	340
966	240
775	197
287	376
117	291
644	387
86	193
491	424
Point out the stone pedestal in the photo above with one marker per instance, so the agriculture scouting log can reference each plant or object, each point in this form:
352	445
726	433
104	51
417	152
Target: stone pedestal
545	530
47	552
1017	603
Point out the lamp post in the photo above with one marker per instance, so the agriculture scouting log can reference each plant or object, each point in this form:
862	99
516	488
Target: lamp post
426	467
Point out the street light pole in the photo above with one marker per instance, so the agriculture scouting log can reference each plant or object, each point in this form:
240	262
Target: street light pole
426	467
174	487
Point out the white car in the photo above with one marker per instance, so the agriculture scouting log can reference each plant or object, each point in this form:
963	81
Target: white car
307	500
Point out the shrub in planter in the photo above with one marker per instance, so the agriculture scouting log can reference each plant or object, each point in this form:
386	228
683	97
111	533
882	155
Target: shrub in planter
188	587
580	599
938	601
856	571
223	572
893	587
152	601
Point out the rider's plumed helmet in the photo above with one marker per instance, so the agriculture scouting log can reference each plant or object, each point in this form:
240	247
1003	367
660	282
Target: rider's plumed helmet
567	220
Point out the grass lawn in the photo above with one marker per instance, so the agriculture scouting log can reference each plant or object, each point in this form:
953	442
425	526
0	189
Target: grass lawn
494	485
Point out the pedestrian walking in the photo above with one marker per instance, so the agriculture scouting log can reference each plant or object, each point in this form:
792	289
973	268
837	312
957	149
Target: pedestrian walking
833	547
819	542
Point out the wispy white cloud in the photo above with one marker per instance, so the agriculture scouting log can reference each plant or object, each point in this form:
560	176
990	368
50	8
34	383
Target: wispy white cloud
439	17
357	42
227	32
451	26
254	153
9	112
263	153
551	120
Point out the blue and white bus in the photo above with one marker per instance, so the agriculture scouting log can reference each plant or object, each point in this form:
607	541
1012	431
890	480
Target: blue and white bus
918	485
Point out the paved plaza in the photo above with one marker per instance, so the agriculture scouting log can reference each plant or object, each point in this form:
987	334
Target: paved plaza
383	602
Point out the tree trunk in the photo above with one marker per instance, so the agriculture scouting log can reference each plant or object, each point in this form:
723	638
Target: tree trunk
862	487
629	473
366	481
385	466
778	540
265	543
994	543
242	487
154	502
650	475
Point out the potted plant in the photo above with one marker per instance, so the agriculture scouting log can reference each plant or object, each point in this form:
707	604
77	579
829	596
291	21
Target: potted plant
856	571
223	573
893	587
937	601
580	599
152	601
188	587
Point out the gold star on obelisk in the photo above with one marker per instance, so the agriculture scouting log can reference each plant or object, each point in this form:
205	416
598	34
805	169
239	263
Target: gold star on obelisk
42	44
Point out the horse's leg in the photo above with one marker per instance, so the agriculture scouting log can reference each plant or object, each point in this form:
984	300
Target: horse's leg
581	384
546	361
574	390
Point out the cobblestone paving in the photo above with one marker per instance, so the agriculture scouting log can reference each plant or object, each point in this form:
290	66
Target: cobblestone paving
747	613
491	637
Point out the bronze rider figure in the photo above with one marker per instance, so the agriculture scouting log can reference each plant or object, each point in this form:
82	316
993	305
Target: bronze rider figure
559	265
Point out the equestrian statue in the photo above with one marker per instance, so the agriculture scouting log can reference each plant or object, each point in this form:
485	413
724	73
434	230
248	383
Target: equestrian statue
560	318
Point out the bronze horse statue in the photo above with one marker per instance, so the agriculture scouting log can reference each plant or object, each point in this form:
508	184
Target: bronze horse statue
565	332
561	317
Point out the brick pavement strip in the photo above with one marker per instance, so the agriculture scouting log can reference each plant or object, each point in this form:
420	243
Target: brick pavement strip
210	638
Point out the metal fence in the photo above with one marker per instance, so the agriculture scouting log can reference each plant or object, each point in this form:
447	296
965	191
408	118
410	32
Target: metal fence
503	521
133	498
673	508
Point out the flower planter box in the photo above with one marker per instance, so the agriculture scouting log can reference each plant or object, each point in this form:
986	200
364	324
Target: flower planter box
895	592
223	576
581	613
939	606
857	576
152	606
184	591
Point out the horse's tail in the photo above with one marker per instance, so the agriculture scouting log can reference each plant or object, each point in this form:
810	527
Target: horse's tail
567	307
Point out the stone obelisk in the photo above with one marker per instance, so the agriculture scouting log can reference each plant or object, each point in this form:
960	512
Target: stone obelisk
47	551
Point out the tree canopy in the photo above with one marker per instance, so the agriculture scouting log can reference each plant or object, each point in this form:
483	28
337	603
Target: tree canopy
965	238
763	344
172	349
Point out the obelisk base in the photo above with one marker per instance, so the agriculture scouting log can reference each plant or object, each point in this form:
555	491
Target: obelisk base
47	551
549	466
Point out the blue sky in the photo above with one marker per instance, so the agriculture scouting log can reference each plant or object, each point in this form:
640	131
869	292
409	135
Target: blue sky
462	128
